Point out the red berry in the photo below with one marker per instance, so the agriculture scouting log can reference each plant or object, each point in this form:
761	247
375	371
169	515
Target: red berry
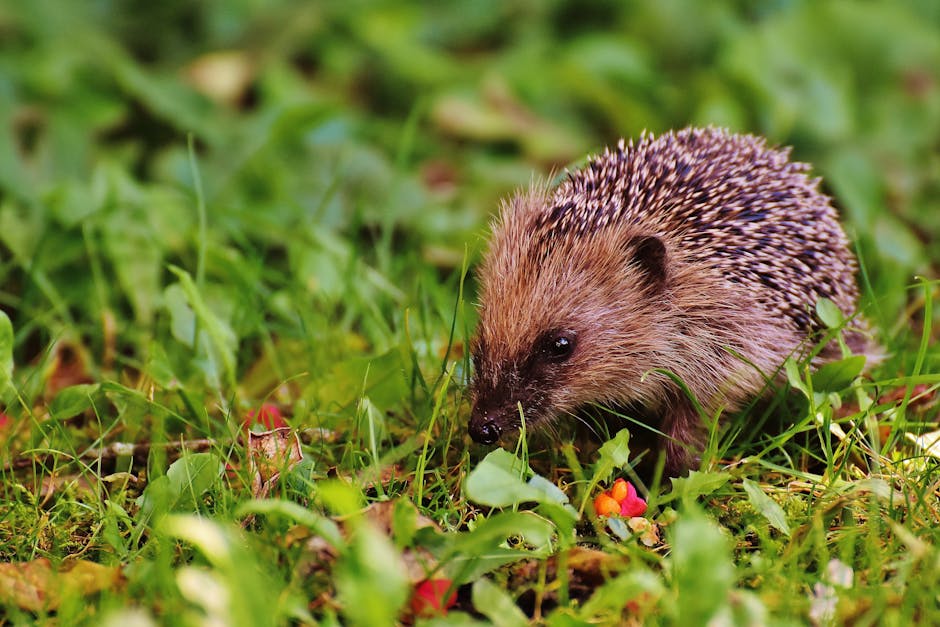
428	597
633	507
269	416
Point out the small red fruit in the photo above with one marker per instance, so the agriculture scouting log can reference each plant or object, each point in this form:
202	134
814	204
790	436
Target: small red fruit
269	416
428	597
620	499
633	507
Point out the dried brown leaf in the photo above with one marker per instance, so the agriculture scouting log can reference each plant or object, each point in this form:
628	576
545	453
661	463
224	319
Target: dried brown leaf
270	453
38	586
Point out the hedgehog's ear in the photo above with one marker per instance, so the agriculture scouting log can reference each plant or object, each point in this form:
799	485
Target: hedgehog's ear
648	253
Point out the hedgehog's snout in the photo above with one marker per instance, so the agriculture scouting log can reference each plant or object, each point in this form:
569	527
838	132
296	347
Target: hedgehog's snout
484	430
488	420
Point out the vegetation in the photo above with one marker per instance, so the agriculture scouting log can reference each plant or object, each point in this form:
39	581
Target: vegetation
217	217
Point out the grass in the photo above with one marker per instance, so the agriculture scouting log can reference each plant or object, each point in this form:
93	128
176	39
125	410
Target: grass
177	251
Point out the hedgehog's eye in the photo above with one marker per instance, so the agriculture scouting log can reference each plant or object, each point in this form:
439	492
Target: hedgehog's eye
558	345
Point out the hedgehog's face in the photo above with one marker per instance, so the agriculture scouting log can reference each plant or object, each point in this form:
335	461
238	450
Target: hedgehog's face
562	329
508	392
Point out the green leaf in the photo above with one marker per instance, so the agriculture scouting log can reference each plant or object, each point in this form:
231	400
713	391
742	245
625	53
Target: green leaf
767	507
695	485
497	605
404	522
340	497
222	338
472	554
129	241
253	595
499	480
380	378
73	400
192	475
837	375
371	580
550	493
702	568
613	454
186	480
607	601
794	376
157	499
6	354
324	527
829	313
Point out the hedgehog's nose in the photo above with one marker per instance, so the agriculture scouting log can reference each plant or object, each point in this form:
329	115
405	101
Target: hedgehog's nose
485	431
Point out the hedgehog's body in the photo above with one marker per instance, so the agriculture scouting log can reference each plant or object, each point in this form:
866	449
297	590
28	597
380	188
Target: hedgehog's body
699	253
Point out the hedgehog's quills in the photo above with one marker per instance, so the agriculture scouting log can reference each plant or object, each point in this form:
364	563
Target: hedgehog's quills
683	253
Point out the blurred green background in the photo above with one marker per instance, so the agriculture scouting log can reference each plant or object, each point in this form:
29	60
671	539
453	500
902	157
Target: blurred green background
350	151
209	205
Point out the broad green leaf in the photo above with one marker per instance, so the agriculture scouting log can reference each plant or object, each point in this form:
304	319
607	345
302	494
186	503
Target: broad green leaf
500	480
618	526
497	605
695	485
157	499
185	481
613	454
380	378
404	523
325	527
767	507
550	493
192	475
371	579
829	313
136	258
73	400
470	555
340	497
837	375
20	230
794	376
703	573
182	317
159	367
252	594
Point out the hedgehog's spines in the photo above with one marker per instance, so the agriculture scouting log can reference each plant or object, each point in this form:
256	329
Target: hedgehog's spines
727	194
750	245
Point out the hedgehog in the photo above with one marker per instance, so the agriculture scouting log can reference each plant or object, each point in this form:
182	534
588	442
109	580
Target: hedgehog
697	256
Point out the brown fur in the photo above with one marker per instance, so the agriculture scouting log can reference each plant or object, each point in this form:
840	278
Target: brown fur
749	245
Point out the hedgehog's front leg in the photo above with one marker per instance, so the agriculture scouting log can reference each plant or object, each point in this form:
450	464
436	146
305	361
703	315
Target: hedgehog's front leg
683	438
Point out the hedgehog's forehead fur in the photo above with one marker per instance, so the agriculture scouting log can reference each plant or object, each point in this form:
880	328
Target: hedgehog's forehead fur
726	205
539	282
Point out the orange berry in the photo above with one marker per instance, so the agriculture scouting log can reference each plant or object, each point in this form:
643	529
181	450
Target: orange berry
605	505
619	491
